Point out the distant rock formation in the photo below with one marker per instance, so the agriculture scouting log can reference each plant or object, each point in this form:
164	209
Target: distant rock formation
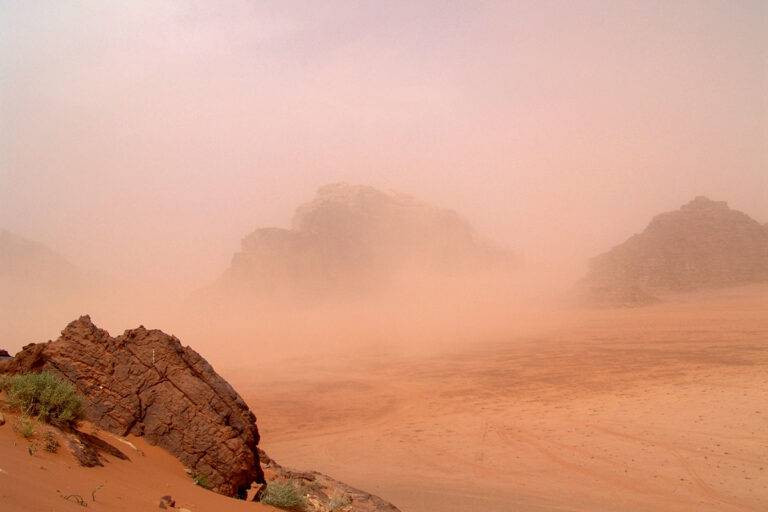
356	238
37	286
31	264
30	268
703	245
146	384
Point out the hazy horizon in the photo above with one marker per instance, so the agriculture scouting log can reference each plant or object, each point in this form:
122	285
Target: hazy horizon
428	329
144	141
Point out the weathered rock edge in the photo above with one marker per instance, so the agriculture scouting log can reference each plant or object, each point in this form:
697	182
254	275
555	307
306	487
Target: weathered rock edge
146	383
320	489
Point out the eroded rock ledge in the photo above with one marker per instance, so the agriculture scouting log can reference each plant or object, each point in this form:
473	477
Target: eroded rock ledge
320	488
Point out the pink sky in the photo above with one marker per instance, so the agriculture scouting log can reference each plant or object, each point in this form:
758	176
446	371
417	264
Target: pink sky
146	139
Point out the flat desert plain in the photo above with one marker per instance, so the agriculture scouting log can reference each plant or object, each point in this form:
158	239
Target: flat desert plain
659	408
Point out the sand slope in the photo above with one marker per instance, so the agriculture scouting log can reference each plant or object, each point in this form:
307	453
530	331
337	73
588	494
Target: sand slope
29	483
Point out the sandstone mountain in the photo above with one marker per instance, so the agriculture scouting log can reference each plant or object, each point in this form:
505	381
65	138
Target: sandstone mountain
357	238
146	384
37	286
703	245
28	264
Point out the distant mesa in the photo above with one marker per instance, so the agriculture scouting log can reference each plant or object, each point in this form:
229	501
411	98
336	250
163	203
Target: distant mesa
31	264
37	285
703	245
353	238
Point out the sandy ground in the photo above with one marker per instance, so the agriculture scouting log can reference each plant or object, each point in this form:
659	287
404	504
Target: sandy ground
662	408
35	481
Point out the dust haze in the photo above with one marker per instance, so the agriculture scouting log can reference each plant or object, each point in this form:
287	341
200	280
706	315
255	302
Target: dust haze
143	142
300	189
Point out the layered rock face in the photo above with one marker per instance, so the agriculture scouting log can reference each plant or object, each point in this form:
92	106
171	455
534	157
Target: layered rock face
357	237
703	245
146	384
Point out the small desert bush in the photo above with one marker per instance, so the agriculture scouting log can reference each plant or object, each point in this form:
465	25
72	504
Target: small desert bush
25	426
51	443
46	396
283	494
336	503
200	479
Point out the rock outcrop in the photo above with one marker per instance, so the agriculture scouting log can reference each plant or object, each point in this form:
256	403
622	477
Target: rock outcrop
323	493
703	245
353	238
146	383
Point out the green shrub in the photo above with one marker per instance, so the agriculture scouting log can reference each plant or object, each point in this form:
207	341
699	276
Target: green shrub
5	381
200	479
283	494
46	396
336	503
25	426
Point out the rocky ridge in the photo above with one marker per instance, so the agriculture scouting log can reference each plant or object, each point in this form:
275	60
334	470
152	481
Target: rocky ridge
703	245
357	238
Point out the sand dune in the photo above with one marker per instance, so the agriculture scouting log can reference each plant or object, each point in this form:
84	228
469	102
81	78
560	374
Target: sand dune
32	483
658	408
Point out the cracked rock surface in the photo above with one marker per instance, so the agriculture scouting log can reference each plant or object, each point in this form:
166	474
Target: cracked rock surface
146	383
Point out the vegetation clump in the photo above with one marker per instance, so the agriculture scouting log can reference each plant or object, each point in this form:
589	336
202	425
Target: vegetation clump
25	426
284	494
51	399
200	479
336	504
51	443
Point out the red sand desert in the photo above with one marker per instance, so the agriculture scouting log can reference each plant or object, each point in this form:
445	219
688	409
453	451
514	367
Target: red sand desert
494	256
657	408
